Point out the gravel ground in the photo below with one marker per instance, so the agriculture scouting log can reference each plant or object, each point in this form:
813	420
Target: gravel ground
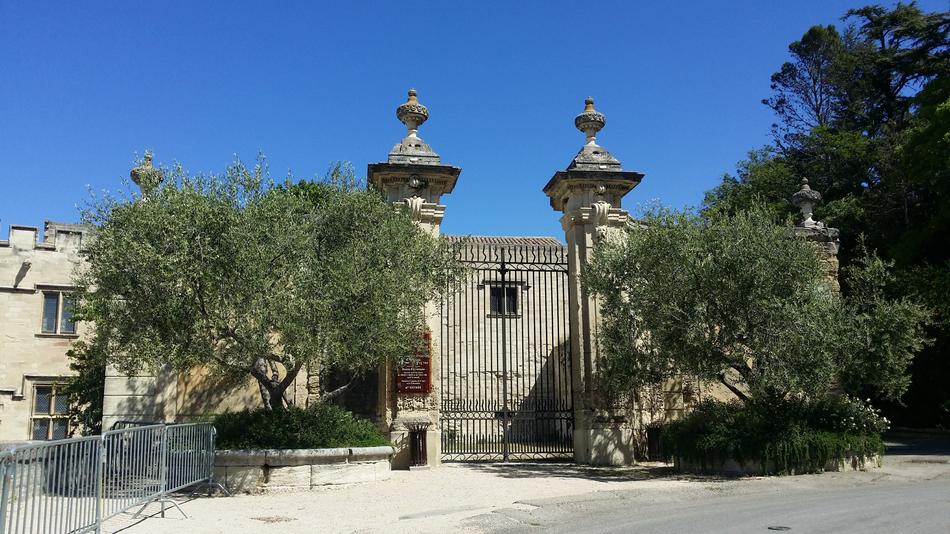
488	497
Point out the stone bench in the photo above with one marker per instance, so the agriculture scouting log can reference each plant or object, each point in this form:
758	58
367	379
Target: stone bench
264	470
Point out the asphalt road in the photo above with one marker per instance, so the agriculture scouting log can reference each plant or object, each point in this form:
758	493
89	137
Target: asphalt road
921	507
910	494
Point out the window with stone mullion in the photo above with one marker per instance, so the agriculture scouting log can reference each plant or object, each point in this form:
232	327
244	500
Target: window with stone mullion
50	414
57	313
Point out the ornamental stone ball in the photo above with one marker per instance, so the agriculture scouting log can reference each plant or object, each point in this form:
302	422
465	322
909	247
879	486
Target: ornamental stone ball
145	176
805	199
590	121
412	113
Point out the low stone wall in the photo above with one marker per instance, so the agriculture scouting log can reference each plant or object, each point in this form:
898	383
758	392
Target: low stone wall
733	468
264	470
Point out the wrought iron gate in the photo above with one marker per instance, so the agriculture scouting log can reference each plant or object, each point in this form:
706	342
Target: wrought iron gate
505	353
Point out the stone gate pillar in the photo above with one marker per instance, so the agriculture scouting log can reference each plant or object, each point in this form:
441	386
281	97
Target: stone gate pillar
414	177
824	237
589	192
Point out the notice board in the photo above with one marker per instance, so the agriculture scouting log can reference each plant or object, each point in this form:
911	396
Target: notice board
415	377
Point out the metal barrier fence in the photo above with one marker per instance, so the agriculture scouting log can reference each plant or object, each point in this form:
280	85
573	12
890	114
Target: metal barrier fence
73	485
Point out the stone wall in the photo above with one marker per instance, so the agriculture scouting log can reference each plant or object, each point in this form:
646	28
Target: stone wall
826	241
269	470
28	356
183	396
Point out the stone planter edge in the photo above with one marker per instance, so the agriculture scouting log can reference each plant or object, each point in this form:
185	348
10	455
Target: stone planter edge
732	468
288	457
277	470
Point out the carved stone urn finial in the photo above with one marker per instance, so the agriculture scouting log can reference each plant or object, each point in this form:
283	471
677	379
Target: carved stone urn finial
145	176
805	198
590	121
412	113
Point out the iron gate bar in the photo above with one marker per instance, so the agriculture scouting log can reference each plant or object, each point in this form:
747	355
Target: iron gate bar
503	307
506	379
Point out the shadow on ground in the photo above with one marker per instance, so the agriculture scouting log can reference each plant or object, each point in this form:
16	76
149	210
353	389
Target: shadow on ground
542	470
900	443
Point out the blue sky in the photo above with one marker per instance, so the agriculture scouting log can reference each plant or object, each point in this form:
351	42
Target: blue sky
84	87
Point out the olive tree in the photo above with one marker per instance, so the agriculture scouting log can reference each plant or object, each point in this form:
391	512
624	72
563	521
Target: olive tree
739	300
253	278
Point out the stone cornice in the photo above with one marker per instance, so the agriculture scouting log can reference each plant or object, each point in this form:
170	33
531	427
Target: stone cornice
568	183
440	179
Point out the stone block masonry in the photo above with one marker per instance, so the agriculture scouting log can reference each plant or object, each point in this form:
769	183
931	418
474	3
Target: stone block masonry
275	470
34	338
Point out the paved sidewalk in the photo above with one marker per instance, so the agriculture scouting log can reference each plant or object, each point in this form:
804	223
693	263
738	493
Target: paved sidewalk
485	497
411	501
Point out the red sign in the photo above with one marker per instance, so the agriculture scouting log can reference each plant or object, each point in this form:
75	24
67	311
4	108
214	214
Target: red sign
416	376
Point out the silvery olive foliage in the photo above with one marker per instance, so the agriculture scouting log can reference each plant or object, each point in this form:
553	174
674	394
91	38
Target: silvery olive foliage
735	299
886	330
254	278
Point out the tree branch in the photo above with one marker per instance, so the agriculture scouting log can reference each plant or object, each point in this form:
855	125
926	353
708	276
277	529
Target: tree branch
735	391
330	395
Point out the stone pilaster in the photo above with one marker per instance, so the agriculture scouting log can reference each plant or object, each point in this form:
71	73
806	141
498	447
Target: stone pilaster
589	194
414	178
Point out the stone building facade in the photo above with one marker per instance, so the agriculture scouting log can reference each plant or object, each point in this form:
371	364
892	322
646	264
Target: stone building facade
36	328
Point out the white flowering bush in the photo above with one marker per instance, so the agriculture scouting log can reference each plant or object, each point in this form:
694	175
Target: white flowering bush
849	414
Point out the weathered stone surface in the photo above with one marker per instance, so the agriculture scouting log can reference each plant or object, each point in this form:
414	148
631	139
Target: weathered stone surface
826	241
288	476
241	479
253	471
281	457
732	468
612	444
855	463
220	473
321	475
361	454
240	457
28	356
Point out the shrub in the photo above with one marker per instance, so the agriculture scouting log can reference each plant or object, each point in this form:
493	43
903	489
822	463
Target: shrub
320	425
848	414
783	436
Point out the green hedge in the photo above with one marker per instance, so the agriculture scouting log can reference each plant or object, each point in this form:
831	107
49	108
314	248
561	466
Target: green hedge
783	436
317	427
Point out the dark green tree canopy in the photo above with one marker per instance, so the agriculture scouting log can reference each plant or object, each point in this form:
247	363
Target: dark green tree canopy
863	112
852	107
253	278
